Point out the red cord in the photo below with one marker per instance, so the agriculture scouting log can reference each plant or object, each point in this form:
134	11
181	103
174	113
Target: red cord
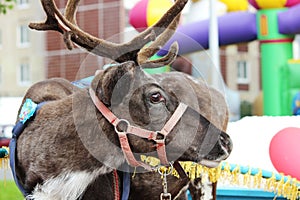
116	185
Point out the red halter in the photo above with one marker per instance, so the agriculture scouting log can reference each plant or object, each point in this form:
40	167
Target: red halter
143	133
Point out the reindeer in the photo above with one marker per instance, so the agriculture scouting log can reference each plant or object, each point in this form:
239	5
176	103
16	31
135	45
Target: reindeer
147	184
78	138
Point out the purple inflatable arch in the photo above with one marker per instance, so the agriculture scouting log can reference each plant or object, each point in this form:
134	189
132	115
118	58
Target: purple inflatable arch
233	28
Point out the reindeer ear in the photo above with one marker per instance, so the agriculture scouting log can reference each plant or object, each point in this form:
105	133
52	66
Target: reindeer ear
114	80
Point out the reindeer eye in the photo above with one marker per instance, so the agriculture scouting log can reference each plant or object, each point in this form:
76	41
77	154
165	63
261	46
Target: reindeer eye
156	98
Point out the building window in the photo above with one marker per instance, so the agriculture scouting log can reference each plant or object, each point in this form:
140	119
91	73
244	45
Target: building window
243	75
24	74
23	4
23	36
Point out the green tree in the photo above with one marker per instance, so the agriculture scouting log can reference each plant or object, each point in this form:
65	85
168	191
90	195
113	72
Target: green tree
5	5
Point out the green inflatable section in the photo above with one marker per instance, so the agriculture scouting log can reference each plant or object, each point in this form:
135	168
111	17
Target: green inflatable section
276	49
291	85
273	60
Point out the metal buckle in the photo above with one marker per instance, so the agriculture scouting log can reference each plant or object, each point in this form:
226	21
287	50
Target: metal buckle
122	126
166	196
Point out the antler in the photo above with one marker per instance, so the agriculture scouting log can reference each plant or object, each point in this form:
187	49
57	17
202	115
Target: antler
146	53
118	52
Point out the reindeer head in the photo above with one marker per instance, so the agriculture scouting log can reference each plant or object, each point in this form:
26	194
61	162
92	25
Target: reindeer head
150	101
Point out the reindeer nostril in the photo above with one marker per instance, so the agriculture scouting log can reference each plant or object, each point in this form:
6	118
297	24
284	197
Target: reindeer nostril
225	141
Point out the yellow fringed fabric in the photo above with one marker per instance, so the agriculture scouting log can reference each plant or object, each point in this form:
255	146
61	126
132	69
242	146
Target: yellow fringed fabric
224	174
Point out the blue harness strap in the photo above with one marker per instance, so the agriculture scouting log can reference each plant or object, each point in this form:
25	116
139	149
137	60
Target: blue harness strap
25	117
27	114
126	186
123	173
83	83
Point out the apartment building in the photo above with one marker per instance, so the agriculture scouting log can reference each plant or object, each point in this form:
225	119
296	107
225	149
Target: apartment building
28	56
241	69
21	49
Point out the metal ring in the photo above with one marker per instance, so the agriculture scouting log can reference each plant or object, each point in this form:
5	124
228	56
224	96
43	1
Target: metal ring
122	121
163	173
159	134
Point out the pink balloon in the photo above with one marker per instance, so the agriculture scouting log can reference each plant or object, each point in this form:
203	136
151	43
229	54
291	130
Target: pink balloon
253	3
284	151
291	3
138	15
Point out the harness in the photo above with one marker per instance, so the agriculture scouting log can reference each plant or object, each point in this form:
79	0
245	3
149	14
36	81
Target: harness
143	133
29	110
27	114
159	137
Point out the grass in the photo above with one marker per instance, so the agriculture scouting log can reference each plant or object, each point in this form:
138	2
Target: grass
9	191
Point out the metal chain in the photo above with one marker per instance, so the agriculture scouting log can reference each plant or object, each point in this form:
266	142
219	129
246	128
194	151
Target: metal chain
165	195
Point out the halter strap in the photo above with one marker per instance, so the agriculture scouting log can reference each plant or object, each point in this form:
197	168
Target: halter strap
161	147
143	133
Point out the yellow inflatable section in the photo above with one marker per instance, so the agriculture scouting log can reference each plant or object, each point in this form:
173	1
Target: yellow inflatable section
236	5
271	3
156	9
